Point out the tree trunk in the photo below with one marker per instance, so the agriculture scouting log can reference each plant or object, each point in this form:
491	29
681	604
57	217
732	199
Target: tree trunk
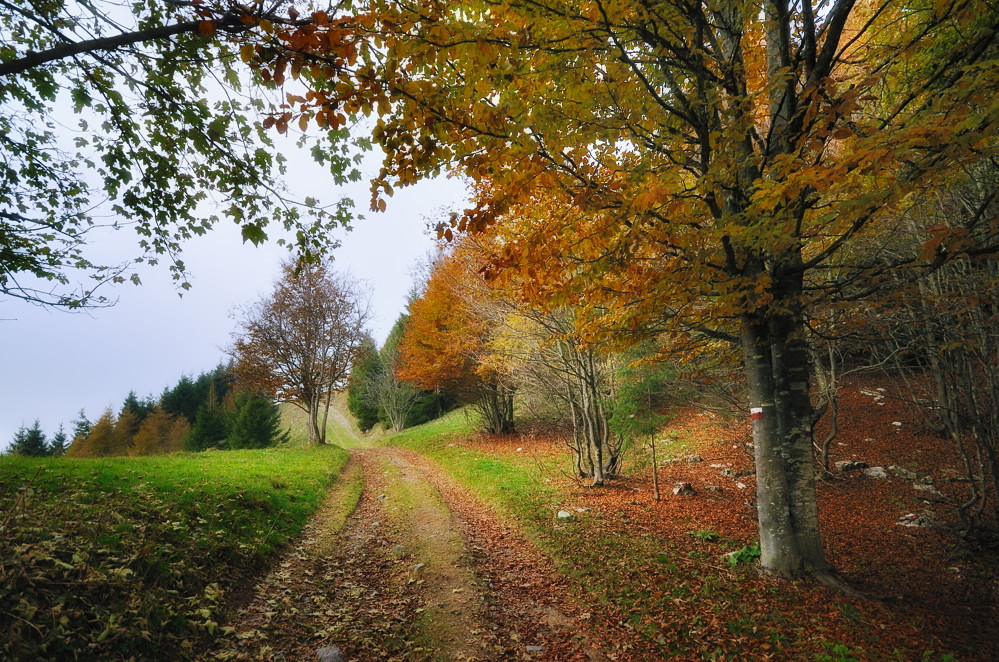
314	409
327	402
777	376
655	468
495	403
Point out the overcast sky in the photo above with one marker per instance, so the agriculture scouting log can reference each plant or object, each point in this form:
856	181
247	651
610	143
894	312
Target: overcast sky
57	363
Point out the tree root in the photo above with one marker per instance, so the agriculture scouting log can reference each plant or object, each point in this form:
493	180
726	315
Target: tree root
834	580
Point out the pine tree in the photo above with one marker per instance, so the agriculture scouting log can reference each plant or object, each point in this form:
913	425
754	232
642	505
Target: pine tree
367	365
99	442
211	424
59	442
81	426
30	442
182	400
140	408
256	422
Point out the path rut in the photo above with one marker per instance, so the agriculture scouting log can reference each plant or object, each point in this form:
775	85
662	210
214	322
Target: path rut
420	570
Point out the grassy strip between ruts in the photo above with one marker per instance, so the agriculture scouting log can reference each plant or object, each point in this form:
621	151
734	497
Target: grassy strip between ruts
132	557
679	598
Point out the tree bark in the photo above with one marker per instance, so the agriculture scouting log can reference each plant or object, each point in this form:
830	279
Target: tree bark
777	376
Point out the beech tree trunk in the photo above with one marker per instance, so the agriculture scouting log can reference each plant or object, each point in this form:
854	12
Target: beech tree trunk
777	376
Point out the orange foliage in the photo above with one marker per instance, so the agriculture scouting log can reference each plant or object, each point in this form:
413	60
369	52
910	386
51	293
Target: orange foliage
446	336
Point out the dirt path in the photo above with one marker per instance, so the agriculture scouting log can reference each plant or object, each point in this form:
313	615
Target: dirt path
418	571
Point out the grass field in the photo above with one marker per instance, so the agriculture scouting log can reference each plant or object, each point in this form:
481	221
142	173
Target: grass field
109	558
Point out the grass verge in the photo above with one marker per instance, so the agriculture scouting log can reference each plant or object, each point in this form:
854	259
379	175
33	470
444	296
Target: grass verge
132	557
518	486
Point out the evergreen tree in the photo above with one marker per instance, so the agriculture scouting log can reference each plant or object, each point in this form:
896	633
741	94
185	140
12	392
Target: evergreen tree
182	400
211	424
430	405
30	442
99	442
359	403
140	408
81	426
256	422
189	395
59	442
210	429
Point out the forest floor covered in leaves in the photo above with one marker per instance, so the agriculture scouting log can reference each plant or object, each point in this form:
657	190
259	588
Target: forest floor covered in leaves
456	552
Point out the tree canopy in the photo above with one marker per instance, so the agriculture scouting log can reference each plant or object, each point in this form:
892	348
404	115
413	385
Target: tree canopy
138	115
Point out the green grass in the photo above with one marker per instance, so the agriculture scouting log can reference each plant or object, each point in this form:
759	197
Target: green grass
110	558
340	430
516	485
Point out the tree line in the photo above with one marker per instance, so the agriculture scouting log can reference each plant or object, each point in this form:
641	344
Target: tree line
209	411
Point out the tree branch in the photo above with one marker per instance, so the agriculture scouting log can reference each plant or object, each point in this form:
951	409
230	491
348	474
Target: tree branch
64	51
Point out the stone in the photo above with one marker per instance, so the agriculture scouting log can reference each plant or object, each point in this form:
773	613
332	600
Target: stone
329	654
684	489
728	473
533	649
564	514
742	486
583	510
922	520
851	465
875	472
927	487
695	458
418	568
902	472
398	551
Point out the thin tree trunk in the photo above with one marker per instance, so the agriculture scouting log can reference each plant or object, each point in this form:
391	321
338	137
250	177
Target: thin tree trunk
655	468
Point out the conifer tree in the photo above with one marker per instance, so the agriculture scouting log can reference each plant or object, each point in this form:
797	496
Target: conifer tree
182	399
256	422
211	426
154	434
59	442
366	367
81	426
99	442
30	442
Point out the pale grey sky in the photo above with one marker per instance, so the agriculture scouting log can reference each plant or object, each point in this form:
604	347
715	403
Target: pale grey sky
56	363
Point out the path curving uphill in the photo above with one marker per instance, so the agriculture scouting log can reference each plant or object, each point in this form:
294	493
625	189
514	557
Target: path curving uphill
418	570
